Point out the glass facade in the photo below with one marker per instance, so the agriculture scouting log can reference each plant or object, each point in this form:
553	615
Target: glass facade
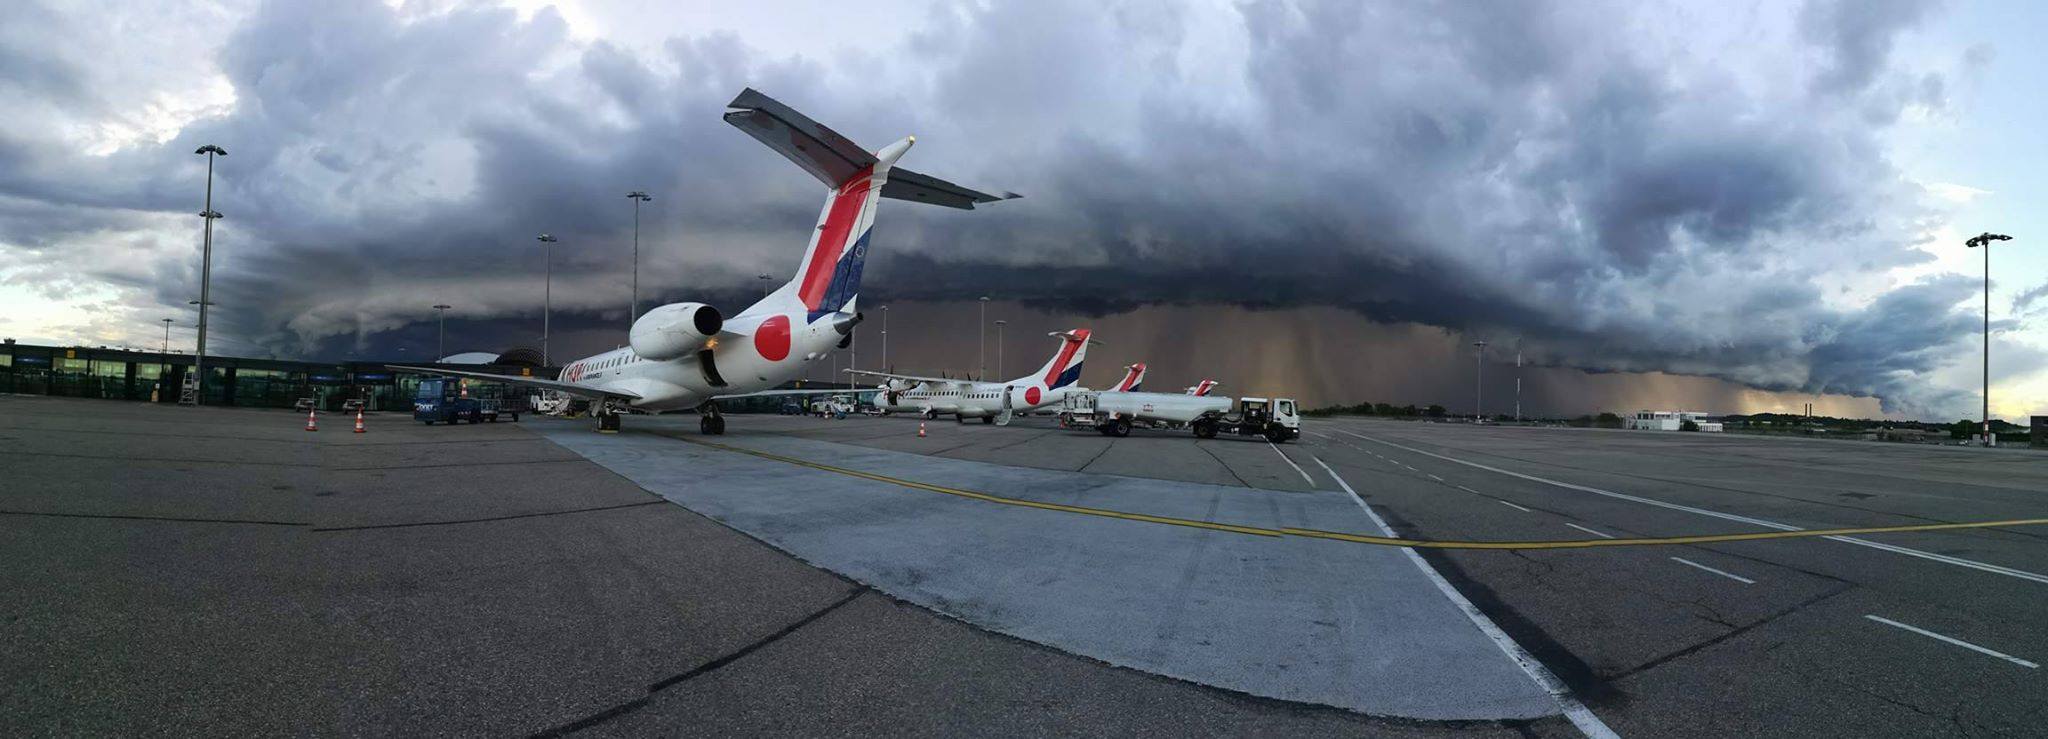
116	374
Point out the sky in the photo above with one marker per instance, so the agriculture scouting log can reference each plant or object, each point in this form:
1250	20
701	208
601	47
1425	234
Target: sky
1724	206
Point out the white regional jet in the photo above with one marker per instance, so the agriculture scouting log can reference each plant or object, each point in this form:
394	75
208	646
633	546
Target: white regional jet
689	355
992	402
1134	377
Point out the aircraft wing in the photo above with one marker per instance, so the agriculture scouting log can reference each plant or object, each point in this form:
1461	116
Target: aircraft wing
532	382
913	378
802	391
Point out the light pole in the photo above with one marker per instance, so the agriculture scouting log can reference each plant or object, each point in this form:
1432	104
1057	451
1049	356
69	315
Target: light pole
1984	240
885	338
164	360
547	299
441	341
981	355
1479	385
999	346
638	196
205	273
1518	385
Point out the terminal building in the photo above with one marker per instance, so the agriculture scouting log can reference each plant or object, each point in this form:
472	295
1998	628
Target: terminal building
123	374
1670	421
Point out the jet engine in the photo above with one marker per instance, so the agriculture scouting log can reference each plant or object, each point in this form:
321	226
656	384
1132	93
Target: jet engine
674	330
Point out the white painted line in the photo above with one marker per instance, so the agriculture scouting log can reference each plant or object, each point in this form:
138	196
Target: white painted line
1297	468
1580	715
1469	490
1955	641
1590	531
1942	558
1434	477
1511	505
1729	575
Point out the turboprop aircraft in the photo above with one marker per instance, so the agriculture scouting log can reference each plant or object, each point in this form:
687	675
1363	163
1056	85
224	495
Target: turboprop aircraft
992	402
690	355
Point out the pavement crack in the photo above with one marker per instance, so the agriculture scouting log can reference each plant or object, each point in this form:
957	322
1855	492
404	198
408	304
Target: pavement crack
700	670
1226	465
170	519
330	529
1732	633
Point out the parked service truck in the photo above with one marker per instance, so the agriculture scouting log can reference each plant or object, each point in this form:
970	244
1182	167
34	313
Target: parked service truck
1116	413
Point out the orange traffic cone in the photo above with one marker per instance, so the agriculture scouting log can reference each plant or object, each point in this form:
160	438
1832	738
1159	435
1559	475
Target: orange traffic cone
920	429
311	425
359	421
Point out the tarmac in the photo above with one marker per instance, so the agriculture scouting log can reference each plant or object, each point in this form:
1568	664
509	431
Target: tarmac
181	571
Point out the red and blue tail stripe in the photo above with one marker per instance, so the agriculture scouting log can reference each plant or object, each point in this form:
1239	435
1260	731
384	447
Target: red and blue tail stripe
831	276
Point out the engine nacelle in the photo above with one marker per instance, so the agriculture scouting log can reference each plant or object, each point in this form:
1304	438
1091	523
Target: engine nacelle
674	330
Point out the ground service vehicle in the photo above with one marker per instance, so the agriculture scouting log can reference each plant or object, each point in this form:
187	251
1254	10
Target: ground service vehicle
446	400
1116	413
440	399
1278	420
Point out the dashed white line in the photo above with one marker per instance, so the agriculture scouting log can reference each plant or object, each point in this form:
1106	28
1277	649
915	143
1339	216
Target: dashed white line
1297	468
1729	575
1590	531
1942	558
1580	716
1510	505
1955	641
1434	477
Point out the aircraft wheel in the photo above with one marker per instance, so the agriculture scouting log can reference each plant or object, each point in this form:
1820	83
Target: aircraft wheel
711	425
959	419
988	420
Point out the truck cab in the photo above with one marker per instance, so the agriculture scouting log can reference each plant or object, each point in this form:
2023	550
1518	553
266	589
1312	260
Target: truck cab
1278	419
441	400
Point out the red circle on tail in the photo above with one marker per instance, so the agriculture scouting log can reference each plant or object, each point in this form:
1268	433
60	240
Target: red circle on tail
771	340
1031	396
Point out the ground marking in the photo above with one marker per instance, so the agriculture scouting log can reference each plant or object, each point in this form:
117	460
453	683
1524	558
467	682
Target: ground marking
1580	716
1434	477
1511	505
1943	558
1350	537
1590	531
1297	468
1729	575
1955	641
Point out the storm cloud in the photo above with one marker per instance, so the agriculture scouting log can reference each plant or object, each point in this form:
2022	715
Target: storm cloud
1611	187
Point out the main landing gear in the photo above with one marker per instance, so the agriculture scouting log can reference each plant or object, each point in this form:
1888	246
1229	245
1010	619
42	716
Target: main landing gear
607	414
712	423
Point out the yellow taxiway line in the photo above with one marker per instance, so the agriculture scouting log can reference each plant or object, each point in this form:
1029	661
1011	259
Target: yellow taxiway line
1362	538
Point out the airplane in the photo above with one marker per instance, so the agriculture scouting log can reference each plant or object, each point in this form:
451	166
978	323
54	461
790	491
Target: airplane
1201	389
992	402
689	355
1134	376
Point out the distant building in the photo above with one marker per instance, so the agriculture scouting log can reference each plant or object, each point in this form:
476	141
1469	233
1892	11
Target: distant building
1670	421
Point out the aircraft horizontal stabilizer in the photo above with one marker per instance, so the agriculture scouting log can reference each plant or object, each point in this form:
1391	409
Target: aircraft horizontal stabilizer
835	159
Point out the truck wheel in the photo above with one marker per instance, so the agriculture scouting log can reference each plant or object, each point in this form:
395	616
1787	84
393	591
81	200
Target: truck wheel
430	423
1122	428
1205	429
1277	434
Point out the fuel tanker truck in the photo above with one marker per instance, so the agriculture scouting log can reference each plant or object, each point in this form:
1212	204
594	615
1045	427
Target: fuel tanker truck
1115	413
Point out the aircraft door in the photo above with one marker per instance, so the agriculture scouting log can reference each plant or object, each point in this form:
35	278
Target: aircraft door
1003	416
